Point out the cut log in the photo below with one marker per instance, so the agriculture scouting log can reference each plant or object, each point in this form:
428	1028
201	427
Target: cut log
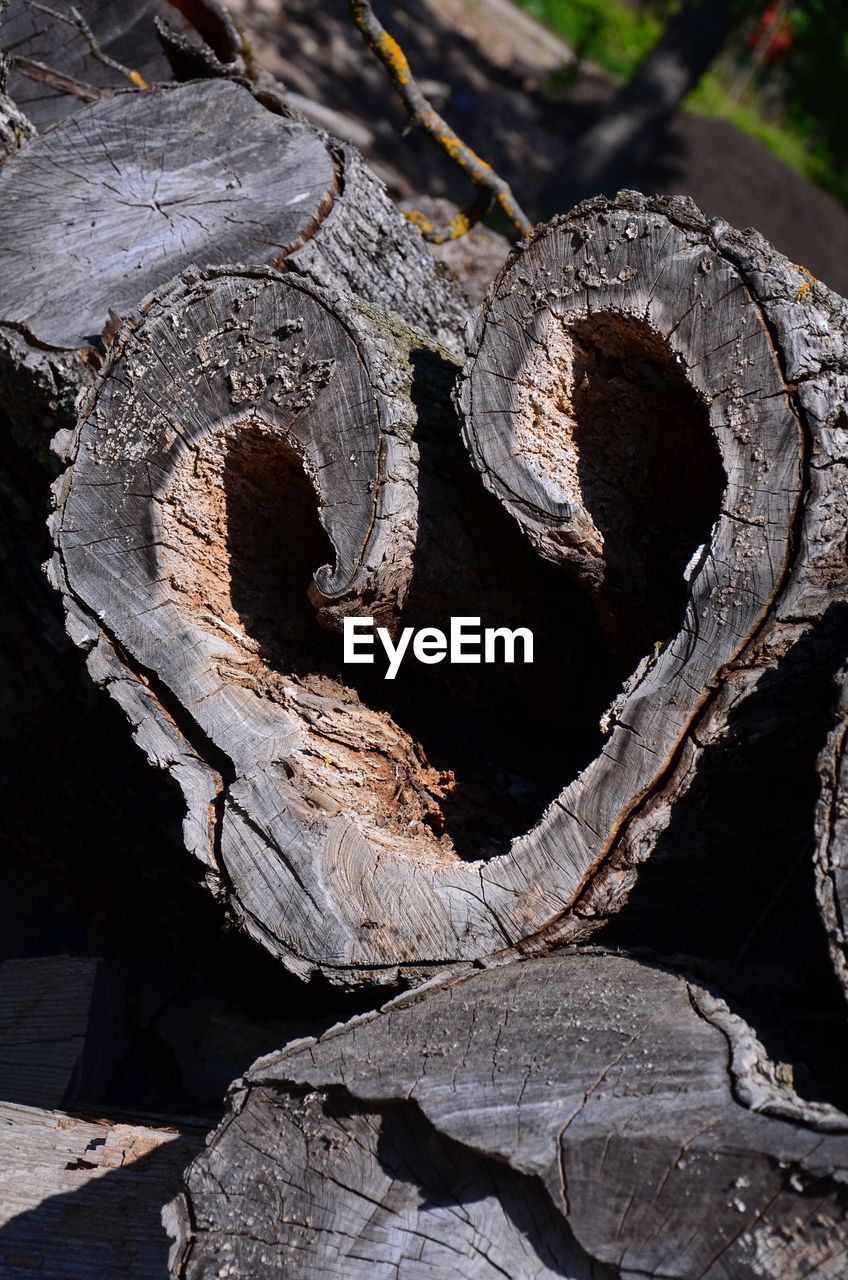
584	1115
90	838
622	354
341	844
130	191
257	378
832	835
82	1198
54	71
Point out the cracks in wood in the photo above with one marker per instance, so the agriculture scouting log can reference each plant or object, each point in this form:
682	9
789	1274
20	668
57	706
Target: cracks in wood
647	1199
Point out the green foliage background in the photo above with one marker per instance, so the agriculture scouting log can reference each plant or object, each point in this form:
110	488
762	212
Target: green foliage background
809	128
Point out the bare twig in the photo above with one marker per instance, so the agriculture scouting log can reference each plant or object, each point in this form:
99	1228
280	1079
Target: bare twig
77	20
490	187
57	80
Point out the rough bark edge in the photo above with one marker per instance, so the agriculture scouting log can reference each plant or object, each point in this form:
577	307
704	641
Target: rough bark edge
166	732
831	855
808	324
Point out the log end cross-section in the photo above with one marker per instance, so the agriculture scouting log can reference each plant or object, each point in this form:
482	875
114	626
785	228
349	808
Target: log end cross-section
585	1115
640	408
118	199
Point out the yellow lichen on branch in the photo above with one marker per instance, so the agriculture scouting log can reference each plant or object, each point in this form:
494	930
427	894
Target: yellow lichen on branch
490	187
807	284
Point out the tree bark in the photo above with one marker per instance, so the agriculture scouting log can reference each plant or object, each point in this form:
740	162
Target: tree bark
211	174
654	406
585	1115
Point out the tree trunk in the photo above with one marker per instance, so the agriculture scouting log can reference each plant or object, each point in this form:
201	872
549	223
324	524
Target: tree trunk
610	152
584	1115
653	405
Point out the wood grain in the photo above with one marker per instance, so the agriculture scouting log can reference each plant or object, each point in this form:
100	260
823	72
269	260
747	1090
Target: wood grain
426	1139
292	785
130	191
82	1198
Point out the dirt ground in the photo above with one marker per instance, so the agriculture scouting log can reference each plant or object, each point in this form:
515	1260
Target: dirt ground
484	64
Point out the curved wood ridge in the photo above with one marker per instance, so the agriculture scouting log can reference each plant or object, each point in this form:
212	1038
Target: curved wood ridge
644	271
130	191
242	397
282	405
832	835
584	1116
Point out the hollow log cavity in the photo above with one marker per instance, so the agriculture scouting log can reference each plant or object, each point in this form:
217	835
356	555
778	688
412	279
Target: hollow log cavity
657	438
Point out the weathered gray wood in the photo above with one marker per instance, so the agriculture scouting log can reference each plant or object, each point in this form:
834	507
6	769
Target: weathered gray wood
331	411
129	191
81	1198
90	838
626	1097
765	354
54	72
832	834
143	185
15	127
313	807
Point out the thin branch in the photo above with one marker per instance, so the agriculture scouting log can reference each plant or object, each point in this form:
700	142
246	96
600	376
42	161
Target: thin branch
77	20
490	187
57	80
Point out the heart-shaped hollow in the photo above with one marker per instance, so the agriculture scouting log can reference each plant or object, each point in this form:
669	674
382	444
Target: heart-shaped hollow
430	760
618	441
314	877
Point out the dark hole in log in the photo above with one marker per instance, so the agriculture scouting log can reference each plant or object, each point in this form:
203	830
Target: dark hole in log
457	760
650	472
275	543
635	437
461	758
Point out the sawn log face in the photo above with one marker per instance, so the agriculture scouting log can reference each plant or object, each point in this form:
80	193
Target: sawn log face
293	790
129	191
585	1115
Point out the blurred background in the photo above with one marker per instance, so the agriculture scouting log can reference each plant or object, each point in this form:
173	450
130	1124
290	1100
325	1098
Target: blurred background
740	105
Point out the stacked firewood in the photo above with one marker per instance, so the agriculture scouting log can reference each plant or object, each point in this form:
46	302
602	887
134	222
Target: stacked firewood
565	893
